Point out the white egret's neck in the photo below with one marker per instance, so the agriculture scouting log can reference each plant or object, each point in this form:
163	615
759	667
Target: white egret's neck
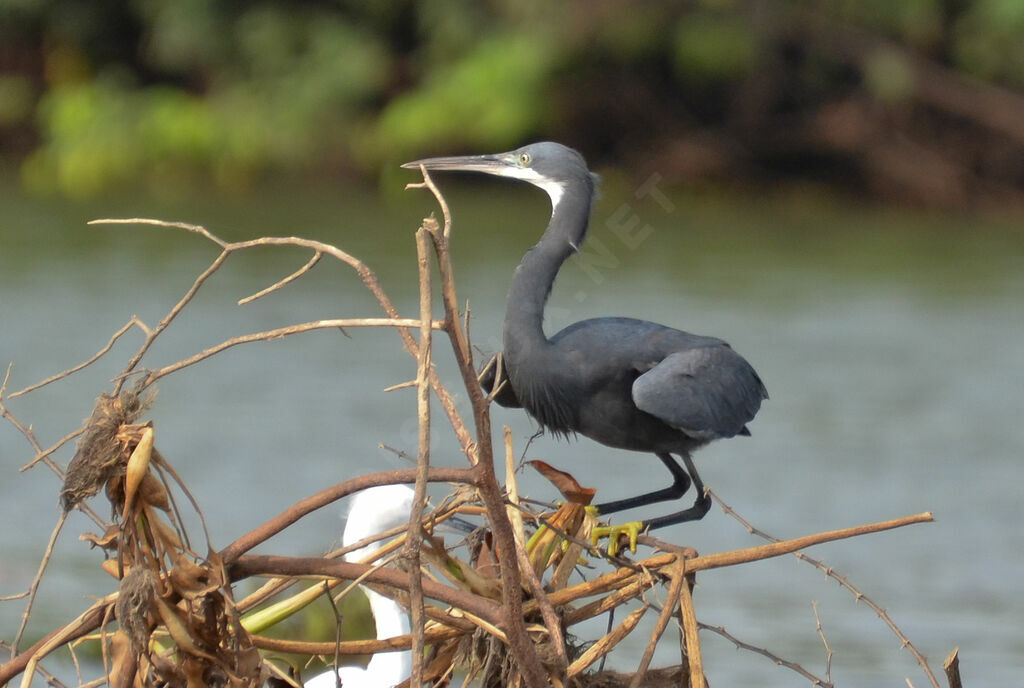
391	668
374	511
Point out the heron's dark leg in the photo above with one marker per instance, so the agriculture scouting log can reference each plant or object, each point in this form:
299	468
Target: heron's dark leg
695	512
679	486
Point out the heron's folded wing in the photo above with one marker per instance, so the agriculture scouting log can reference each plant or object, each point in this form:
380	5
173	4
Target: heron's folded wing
706	392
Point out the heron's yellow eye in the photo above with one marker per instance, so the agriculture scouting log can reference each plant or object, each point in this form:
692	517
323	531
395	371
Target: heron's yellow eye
524	159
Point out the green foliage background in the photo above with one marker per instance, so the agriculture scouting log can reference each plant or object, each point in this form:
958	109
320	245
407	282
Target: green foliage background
99	95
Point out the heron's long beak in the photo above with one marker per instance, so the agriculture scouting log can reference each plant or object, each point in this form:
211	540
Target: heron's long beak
488	164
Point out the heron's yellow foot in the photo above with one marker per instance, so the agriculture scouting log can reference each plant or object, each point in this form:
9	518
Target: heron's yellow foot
632	529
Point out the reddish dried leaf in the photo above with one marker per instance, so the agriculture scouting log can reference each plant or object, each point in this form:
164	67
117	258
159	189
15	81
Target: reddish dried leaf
486	561
565	483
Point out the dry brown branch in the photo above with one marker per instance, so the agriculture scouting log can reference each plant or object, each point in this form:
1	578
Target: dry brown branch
688	614
607	642
330	495
279	332
432	635
620	578
367	276
551	622
612	600
84	624
44	454
40	453
270	565
842	580
720	630
412	542
952	668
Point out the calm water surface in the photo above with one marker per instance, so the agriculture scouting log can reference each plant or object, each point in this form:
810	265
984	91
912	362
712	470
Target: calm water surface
892	346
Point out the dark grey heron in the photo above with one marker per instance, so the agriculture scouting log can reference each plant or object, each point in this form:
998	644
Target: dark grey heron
626	383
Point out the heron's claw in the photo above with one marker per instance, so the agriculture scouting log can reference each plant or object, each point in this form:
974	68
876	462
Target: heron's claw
632	529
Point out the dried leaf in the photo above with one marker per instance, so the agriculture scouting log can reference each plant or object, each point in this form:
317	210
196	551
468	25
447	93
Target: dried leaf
180	631
106	541
545	547
111	567
163	532
124	661
565	483
249	665
153	492
441	664
191	580
486	560
137	469
195	673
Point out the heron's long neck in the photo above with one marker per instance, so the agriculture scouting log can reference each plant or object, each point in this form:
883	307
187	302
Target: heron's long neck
533	279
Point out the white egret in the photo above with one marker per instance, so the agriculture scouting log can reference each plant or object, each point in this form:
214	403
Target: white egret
374	511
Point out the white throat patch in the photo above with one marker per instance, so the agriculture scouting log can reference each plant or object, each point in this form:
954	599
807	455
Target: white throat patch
555	189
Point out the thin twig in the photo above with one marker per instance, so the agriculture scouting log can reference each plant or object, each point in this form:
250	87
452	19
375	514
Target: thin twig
44	454
367	276
169	318
678	577
310	264
824	641
195	229
133	322
38	578
85	623
413	540
606	643
41	455
842	580
279	332
432	635
720	630
428	183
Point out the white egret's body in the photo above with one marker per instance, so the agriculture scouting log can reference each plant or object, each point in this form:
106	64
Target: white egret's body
374	511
